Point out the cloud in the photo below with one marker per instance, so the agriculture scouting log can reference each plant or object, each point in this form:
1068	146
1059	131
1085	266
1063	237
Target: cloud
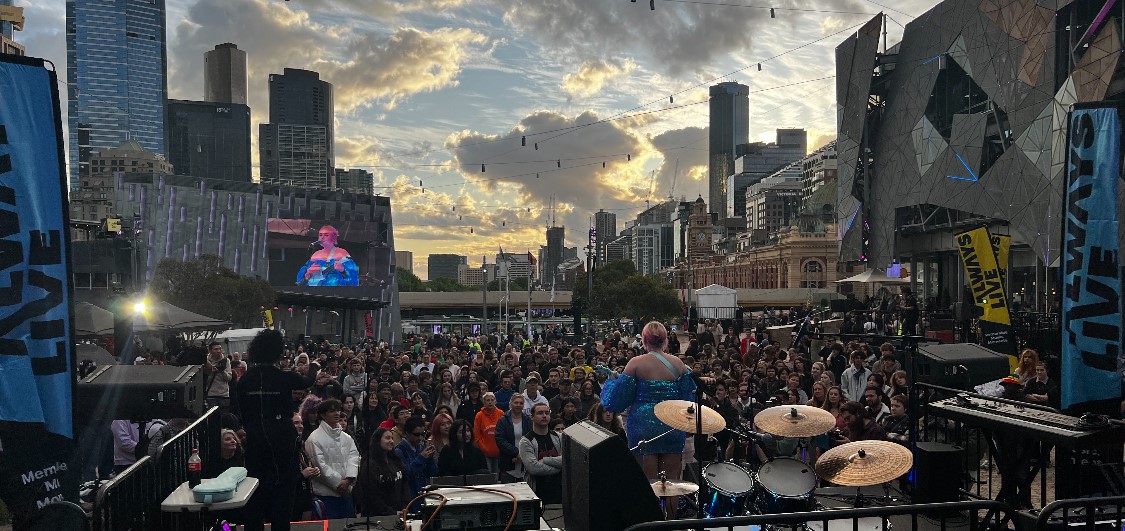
593	75
389	68
383	9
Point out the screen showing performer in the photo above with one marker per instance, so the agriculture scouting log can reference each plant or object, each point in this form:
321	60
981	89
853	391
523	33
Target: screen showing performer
330	265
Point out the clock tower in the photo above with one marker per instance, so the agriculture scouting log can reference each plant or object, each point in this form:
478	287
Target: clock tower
699	231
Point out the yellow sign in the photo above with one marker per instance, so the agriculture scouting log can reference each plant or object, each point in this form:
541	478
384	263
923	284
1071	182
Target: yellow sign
267	316
1001	245
113	225
987	284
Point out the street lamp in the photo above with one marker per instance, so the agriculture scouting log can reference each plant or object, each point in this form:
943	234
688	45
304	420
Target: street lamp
484	295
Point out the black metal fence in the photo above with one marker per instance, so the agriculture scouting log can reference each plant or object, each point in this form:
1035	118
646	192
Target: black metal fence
1093	514
131	500
973	515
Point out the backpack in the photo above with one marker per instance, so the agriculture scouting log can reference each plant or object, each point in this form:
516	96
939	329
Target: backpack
145	438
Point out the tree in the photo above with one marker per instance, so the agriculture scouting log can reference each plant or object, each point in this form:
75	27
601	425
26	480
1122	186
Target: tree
442	284
207	287
619	291
518	284
408	281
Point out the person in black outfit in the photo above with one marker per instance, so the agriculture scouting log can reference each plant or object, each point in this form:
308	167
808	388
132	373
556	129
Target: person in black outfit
471	404
461	457
909	309
265	397
381	488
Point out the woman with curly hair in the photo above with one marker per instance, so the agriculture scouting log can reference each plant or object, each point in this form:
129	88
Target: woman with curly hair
607	419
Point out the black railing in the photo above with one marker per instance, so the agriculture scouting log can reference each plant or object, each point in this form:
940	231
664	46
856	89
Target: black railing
981	514
1088	513
131	500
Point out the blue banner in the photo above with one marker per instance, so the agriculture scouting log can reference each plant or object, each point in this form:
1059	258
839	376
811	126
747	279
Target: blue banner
1091	268
36	336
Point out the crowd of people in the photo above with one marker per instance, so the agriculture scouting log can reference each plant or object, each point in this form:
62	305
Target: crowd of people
371	426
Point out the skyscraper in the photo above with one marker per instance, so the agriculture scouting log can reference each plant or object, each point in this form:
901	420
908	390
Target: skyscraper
209	139
354	181
224	74
605	223
730	126
11	20
117	77
556	241
296	146
444	266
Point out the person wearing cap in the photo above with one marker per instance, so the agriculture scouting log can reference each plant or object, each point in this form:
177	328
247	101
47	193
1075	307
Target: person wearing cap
532	396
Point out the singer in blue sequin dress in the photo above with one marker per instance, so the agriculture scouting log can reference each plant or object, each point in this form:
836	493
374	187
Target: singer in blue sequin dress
649	379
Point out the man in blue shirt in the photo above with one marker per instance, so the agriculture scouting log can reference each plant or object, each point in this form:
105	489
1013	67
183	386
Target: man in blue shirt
417	454
505	392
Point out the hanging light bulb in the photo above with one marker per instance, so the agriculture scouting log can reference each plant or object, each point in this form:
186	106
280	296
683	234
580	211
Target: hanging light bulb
652	5
629	156
772	14
470	230
537	146
559	163
482	168
458	217
419	182
603	163
523	141
503	223
671	99
536	175
455	208
759	67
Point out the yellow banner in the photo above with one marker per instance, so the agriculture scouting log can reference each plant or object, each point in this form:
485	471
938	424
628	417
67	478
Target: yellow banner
987	284
1001	245
267	317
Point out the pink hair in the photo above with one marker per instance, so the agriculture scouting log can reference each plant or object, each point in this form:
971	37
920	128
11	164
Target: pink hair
654	336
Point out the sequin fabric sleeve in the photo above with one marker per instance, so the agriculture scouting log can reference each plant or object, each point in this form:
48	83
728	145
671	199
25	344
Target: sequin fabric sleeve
619	393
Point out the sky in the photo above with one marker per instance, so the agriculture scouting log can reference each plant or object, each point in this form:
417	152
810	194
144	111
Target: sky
437	97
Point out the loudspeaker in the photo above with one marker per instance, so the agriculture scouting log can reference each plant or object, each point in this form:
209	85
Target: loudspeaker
959	365
936	470
141	392
604	489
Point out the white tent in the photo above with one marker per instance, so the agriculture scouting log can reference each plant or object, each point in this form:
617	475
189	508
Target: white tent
872	276
237	340
711	299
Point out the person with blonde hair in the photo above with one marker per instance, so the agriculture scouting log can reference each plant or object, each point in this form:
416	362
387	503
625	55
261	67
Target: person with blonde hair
647	380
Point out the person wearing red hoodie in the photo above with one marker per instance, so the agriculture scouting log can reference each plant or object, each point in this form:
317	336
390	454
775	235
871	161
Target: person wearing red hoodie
484	431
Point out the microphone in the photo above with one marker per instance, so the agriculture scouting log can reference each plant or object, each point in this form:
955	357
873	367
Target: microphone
314	244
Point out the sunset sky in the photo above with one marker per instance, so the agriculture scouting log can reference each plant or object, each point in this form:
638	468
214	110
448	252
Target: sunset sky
427	91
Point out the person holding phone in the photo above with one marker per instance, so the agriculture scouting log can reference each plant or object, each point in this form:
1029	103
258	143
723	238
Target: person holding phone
417	454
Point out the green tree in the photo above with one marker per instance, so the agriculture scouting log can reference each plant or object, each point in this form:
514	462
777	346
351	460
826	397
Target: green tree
619	291
443	284
207	287
408	281
518	284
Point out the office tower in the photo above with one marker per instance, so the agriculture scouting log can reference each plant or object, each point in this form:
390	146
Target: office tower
11	21
556	241
94	197
405	260
354	181
443	266
296	146
605	223
224	74
730	126
209	139
757	161
117	77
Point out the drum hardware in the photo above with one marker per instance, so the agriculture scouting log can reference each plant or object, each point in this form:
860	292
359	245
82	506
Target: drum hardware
643	442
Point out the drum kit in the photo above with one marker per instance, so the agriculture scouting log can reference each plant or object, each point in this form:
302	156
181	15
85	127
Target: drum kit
781	484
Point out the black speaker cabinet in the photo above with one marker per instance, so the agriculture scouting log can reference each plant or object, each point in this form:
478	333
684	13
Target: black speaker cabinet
141	392
959	365
936	470
604	488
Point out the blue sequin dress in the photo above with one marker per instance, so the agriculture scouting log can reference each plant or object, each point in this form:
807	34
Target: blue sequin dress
640	398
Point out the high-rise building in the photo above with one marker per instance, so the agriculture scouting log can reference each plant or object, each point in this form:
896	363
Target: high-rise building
355	181
296	146
729	127
556	241
444	266
605	223
11	20
209	139
818	169
405	260
94	200
224	74
117	77
757	161
475	276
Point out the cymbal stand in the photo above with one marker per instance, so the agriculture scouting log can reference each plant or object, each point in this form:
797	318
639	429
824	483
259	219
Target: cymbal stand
698	430
643	442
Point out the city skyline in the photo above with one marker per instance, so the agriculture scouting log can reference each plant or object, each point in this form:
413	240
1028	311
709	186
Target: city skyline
487	71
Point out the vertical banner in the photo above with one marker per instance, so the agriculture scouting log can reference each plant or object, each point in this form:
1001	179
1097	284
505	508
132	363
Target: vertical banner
1001	245
1091	267
36	334
987	285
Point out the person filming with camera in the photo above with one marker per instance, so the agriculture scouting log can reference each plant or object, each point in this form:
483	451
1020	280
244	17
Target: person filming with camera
217	375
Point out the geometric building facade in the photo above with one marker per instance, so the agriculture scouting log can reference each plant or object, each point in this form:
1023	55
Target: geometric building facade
963	123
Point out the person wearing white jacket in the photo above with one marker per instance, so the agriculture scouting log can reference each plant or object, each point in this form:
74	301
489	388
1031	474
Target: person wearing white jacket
335	453
540	451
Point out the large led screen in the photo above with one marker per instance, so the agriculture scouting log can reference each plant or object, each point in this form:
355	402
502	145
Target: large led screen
328	256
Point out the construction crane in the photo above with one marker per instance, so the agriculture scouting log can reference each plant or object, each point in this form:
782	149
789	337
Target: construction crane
672	190
651	187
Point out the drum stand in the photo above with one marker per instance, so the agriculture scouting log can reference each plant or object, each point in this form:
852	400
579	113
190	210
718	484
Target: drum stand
643	442
699	430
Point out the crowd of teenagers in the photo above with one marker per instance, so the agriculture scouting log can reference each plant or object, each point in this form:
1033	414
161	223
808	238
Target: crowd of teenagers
335	431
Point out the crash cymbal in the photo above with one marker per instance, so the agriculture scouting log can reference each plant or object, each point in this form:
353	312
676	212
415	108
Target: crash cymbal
795	421
680	415
864	463
673	488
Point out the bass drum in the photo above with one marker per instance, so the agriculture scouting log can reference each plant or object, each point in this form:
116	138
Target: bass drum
729	487
785	485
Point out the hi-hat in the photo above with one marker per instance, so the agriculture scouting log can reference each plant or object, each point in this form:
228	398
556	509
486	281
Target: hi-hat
673	488
795	421
864	463
680	415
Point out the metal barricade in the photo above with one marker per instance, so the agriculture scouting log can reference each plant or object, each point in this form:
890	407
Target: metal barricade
131	500
1087	513
980	514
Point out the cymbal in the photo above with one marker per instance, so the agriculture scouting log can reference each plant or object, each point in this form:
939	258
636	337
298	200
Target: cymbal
864	463
680	415
673	488
795	421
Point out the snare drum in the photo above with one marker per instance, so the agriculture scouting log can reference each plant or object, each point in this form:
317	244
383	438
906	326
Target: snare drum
785	485
729	488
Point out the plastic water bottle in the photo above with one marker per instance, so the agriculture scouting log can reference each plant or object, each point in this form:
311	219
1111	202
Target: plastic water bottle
194	468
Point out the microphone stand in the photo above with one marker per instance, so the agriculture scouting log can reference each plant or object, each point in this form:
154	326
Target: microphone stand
699	431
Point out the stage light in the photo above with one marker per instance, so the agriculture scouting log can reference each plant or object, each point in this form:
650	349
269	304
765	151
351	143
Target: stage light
139	307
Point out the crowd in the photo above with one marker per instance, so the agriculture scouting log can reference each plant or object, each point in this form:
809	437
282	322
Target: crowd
371	425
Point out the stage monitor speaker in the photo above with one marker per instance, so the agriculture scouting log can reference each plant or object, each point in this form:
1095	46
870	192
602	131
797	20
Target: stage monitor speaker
936	470
141	392
959	365
604	488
